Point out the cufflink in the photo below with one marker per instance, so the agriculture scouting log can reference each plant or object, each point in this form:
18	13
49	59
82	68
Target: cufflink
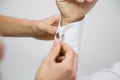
59	36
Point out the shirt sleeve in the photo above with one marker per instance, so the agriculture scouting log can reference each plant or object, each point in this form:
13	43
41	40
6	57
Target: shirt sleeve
105	74
71	34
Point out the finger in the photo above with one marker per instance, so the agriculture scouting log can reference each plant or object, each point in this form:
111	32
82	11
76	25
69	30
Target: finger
75	63
54	20
59	59
70	54
51	29
61	56
52	23
55	49
65	47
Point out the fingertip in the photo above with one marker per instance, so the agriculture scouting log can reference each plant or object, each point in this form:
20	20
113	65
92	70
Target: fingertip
56	16
54	30
65	47
68	49
51	29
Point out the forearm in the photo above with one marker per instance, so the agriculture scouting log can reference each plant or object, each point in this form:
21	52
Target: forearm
15	27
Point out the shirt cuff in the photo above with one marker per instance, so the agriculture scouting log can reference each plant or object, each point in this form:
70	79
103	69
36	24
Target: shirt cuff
71	34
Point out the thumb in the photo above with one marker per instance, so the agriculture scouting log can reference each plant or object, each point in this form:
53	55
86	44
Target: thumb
55	49
52	29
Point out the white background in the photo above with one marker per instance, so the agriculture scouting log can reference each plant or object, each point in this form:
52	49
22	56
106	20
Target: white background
100	42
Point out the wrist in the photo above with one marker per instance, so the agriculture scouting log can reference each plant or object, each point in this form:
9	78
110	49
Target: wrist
36	28
25	29
65	21
30	24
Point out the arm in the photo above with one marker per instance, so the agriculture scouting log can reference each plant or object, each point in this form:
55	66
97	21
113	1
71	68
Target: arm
41	29
15	27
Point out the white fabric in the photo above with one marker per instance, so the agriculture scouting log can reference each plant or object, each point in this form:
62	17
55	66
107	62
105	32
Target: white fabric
71	34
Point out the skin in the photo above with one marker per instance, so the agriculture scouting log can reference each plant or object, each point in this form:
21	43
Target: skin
50	69
41	29
78	8
66	67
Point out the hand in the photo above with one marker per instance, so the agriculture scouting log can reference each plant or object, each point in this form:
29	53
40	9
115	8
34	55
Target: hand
52	70
74	10
45	29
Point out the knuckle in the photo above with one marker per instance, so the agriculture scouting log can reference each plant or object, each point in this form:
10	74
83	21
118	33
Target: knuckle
68	69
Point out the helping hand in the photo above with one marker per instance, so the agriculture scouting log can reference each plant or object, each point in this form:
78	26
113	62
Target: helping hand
52	70
45	29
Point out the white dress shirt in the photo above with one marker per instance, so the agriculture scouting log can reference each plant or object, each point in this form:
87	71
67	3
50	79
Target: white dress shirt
71	34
